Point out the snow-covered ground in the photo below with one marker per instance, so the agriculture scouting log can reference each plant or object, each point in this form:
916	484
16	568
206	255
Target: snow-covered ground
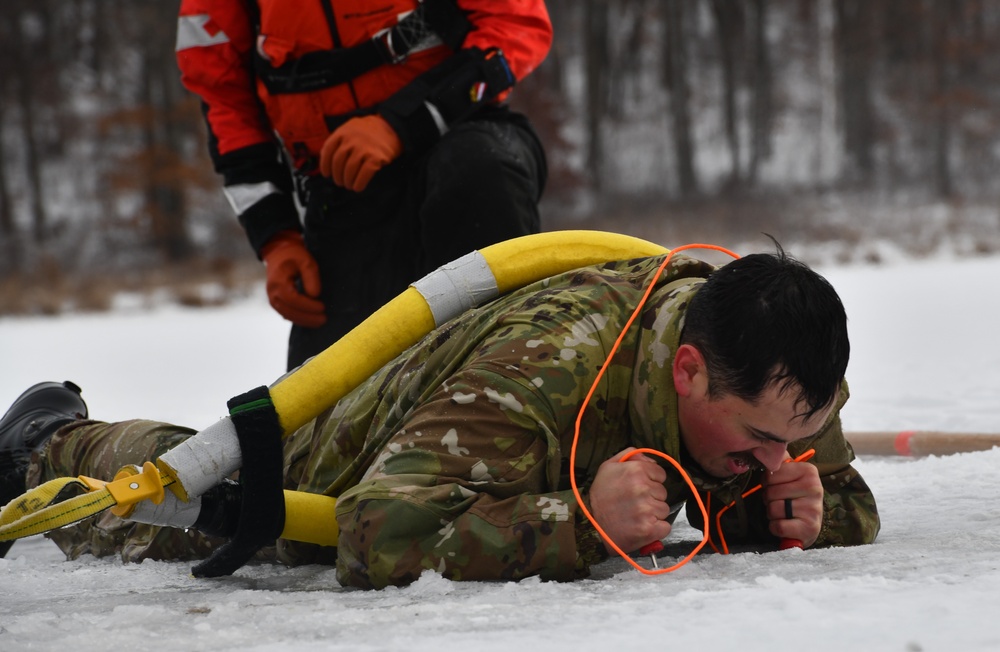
925	356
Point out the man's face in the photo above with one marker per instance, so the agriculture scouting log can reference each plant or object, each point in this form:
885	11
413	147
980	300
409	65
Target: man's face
727	435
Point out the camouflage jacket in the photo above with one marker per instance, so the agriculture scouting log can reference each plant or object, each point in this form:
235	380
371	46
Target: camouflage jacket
455	456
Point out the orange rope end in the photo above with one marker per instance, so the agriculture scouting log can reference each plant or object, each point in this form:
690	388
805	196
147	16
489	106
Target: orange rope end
785	543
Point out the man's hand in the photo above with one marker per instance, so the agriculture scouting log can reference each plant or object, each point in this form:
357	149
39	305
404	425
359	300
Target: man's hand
798	483
629	501
288	261
357	150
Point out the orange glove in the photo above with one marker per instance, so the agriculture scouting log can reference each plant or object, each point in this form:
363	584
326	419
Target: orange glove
287	261
358	149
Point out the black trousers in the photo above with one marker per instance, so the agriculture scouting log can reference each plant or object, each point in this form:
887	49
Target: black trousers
478	185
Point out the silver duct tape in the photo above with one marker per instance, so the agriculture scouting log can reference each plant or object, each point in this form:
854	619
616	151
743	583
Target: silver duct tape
205	459
458	286
171	512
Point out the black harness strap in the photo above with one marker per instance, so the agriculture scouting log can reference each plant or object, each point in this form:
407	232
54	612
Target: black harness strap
325	68
262	510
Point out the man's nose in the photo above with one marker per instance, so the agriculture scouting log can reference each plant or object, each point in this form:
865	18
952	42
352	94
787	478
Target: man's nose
771	455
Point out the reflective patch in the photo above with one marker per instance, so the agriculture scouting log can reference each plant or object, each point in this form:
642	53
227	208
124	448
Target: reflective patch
244	195
198	31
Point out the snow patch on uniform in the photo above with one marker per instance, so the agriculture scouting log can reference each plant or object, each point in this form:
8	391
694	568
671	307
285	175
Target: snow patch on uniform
463	399
581	331
450	441
446	533
480	472
506	401
378	466
553	509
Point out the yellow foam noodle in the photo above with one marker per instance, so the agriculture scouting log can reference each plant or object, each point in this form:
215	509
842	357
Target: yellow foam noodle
522	261
310	518
322	381
326	378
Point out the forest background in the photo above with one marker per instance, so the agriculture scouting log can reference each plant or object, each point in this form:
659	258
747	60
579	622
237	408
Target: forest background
848	129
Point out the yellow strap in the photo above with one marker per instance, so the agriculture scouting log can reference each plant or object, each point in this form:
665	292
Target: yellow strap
39	511
35	512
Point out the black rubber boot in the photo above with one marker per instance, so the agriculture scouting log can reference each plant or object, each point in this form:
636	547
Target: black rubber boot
27	425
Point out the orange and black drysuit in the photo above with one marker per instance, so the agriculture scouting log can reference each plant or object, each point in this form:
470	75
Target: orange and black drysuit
277	77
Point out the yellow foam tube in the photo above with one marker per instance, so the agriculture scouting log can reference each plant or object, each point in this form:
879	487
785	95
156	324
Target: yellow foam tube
310	518
521	261
326	378
321	382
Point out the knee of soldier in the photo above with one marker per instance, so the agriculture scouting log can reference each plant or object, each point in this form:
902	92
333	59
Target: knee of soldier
482	155
381	539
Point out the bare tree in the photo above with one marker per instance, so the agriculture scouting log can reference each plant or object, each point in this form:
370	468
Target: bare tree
27	31
729	28
10	251
163	137
8	229
596	60
856	52
675	76
762	80
942	49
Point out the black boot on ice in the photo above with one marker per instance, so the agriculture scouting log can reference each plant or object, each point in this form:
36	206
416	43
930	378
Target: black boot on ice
28	424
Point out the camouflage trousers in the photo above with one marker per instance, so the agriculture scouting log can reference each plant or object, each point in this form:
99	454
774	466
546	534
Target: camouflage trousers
99	450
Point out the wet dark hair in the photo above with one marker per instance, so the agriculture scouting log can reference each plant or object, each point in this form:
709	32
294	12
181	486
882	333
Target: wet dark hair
767	318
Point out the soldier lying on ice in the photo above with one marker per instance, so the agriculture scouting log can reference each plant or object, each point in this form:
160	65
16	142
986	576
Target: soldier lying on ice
454	457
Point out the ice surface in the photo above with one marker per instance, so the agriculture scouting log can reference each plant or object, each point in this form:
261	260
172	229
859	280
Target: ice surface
925	355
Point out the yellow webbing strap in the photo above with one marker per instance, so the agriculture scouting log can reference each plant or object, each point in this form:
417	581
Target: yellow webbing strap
48	507
39	510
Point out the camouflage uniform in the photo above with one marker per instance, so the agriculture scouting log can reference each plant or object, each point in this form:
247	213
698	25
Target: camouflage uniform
455	456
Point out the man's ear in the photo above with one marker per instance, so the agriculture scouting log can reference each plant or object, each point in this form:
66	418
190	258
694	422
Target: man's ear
690	372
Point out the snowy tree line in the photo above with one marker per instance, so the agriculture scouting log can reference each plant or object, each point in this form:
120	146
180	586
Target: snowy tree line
706	97
103	164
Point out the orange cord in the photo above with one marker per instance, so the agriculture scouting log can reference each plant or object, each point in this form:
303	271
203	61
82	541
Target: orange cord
718	517
586	402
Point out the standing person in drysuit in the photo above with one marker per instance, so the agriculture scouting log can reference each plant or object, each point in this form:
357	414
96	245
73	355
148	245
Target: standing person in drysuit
454	457
385	120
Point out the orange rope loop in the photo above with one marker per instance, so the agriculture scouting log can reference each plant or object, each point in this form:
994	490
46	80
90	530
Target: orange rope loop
586	402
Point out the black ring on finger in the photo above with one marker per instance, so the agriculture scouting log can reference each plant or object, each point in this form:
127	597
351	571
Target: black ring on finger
788	509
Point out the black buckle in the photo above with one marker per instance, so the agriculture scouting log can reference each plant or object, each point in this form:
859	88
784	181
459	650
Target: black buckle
383	41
